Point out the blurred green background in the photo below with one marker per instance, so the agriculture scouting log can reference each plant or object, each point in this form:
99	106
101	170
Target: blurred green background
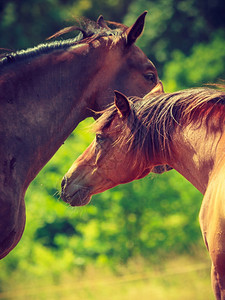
148	229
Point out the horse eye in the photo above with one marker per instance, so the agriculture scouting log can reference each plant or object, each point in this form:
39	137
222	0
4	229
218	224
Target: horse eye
99	138
150	77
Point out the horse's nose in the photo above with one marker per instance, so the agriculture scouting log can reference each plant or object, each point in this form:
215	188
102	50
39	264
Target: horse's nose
64	182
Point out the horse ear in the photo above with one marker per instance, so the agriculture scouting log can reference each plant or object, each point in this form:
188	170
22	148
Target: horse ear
136	29
101	22
122	104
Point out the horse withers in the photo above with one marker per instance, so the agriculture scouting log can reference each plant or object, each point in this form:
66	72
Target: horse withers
47	90
185	130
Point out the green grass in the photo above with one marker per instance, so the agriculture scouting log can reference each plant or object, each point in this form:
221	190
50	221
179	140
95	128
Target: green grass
181	278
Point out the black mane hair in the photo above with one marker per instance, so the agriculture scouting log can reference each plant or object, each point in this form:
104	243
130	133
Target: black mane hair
89	31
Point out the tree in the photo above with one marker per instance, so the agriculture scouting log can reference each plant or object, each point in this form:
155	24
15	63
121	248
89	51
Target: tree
205	64
177	25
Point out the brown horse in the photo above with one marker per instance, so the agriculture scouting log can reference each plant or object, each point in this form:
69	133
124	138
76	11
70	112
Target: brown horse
47	90
185	130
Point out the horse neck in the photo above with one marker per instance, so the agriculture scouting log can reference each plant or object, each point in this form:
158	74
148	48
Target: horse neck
41	103
194	152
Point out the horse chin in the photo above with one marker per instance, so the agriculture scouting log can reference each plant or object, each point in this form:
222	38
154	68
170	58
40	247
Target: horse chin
80	198
161	169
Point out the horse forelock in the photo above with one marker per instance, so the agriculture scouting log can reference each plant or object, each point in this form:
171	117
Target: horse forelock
89	31
105	119
130	131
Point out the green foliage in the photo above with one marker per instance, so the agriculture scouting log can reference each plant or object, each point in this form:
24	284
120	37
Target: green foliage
149	218
25	23
176	25
205	64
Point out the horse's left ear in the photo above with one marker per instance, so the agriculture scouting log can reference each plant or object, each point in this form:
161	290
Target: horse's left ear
101	22
122	104
136	29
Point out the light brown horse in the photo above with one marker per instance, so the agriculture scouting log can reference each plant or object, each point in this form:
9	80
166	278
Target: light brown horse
47	90
185	130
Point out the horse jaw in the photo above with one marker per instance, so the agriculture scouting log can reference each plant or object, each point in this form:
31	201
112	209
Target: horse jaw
76	194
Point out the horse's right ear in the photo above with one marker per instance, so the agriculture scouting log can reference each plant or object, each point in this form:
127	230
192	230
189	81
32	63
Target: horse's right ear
134	31
122	104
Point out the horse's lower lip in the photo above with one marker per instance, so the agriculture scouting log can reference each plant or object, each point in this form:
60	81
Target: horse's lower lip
79	198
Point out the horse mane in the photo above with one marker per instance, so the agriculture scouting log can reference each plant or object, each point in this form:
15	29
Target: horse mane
153	119
89	31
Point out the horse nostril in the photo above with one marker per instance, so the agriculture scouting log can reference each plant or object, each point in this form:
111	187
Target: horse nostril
64	181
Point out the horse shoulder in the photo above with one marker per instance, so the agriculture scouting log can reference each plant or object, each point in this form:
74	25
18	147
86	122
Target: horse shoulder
212	214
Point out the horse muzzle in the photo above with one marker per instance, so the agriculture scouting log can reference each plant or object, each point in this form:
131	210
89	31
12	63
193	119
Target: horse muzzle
74	194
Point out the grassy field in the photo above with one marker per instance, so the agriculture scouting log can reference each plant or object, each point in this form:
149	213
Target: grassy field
181	278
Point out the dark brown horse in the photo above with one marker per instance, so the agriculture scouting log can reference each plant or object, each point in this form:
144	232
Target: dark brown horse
46	91
185	130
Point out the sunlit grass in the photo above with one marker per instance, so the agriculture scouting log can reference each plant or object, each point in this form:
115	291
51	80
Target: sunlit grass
181	278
